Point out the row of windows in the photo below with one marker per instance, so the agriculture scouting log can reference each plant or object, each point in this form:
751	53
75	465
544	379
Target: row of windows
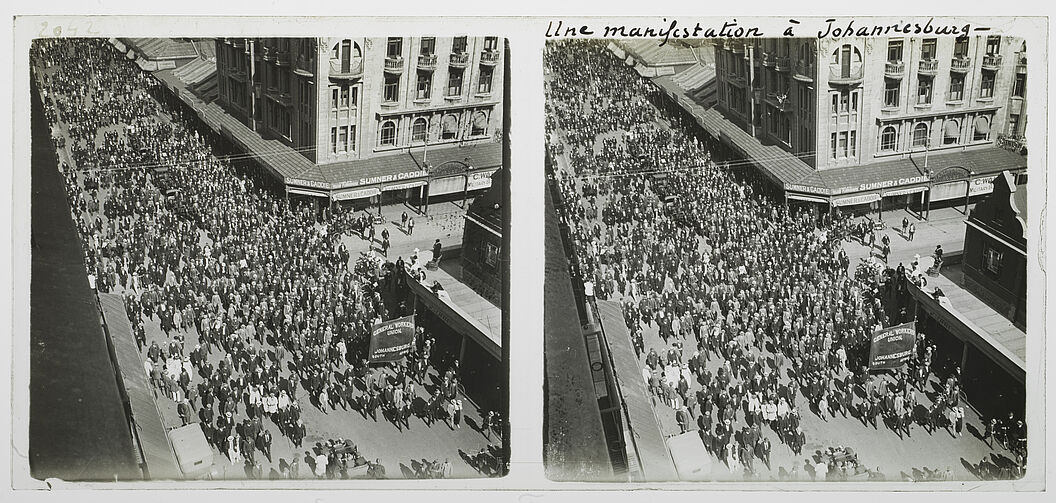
424	84
449	129
928	48
926	85
427	47
952	135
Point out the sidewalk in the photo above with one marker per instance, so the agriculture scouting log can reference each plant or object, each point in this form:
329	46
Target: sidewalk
946	227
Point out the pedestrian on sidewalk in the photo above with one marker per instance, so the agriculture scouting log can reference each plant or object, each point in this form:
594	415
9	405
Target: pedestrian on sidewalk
912	231
410	226
403	221
905	225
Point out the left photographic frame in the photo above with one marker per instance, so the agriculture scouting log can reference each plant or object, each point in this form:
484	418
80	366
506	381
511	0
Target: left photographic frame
276	258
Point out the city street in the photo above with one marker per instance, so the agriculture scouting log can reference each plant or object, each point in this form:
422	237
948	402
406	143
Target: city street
401	450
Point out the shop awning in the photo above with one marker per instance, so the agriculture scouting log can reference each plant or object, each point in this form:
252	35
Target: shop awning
812	199
617	50
307	192
982	126
902	192
401	186
953	130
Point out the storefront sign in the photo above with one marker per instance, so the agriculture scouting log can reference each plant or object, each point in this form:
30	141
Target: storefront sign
392	340
853	200
897	182
308	183
892	347
375	180
356	194
808	189
983	185
306	192
480	180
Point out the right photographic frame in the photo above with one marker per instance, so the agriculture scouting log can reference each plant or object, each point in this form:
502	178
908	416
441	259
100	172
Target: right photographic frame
787	259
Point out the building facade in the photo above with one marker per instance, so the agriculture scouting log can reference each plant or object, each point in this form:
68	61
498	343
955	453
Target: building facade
883	103
482	243
341	101
995	249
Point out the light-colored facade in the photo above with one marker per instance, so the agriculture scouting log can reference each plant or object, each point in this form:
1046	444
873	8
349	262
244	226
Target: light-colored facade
858	101
341	100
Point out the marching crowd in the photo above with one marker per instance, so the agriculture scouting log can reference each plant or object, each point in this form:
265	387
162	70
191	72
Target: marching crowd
263	310
759	316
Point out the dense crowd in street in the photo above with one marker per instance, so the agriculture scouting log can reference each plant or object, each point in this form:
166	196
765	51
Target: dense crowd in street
262	309
760	317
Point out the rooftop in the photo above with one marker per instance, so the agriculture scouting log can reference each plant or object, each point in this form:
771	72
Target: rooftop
156	49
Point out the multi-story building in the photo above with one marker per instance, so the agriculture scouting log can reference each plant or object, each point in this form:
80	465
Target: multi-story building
869	119
371	115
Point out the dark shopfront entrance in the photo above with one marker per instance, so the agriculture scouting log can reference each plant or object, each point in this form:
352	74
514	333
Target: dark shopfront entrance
990	390
480	373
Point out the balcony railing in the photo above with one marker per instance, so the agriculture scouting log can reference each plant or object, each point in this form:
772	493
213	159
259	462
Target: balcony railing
489	57
281	58
458	60
782	64
394	64
303	66
779	101
839	75
346	70
1021	64
928	67
427	62
960	64
894	69
768	58
804	71
238	43
991	62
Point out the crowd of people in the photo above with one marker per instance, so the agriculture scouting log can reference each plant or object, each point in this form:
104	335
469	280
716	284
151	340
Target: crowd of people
759	317
262	309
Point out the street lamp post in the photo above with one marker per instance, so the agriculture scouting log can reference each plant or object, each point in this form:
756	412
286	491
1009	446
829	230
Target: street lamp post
967	191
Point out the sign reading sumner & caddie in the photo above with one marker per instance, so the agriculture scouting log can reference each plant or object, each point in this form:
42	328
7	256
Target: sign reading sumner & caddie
892	347
392	340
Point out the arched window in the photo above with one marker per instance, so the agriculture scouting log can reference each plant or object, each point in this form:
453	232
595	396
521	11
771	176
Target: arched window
846	61
982	129
951	132
888	138
418	130
480	124
347	55
449	127
920	135
388	133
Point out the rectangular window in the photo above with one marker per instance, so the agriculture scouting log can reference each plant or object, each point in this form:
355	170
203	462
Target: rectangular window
832	144
927	49
491	43
351	138
454	82
333	140
1019	87
986	85
960	47
428	46
353	96
342	139
392	88
924	91
842	149
892	89
1013	125
344	96
956	87
992	260
993	45
852	142
844	98
854	102
334	97
484	86
835	103
394	47
425	83
458	46
491	255
894	51
306	131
